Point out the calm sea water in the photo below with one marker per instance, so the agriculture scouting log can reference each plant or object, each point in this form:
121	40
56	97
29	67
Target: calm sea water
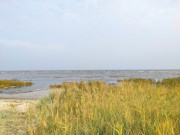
42	79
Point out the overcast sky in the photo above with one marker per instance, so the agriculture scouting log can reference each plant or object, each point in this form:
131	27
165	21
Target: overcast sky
89	34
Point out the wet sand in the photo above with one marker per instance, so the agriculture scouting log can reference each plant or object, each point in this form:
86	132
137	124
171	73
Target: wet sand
25	96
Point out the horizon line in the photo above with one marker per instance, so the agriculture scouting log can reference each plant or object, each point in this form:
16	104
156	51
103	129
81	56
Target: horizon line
92	70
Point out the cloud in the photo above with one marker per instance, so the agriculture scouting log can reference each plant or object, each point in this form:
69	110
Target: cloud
94	2
16	43
90	30
28	45
70	14
177	19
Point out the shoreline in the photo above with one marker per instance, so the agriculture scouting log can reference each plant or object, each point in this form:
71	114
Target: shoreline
25	96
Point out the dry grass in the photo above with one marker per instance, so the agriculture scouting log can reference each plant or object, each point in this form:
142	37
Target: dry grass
12	117
131	107
12	123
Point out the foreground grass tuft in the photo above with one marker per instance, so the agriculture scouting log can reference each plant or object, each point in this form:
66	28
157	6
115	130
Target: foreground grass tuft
13	83
131	107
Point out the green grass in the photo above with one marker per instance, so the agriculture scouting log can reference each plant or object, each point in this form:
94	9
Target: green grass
13	83
135	106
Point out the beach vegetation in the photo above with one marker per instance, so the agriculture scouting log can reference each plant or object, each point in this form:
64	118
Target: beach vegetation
135	106
13	83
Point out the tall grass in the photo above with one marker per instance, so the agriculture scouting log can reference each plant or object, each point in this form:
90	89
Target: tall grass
131	107
13	83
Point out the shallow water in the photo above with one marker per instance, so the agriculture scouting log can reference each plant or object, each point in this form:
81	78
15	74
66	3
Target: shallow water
42	79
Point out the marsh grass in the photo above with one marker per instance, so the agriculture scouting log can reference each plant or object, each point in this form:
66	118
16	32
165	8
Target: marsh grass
13	83
135	106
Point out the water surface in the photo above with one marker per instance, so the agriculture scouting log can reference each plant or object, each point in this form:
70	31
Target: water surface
42	79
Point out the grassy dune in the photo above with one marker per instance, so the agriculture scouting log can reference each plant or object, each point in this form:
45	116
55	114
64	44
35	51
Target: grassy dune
13	83
135	106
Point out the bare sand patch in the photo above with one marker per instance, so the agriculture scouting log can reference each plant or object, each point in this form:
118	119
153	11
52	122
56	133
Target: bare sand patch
15	105
12	116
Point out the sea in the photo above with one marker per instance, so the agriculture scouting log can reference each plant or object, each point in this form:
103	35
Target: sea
42	79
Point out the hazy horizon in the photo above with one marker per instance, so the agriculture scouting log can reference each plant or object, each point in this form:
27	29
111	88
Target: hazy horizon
90	70
89	35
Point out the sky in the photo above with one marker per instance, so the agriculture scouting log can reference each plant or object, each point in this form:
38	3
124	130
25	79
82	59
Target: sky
89	34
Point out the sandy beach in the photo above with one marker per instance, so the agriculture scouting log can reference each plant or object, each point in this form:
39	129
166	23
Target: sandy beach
18	105
12	116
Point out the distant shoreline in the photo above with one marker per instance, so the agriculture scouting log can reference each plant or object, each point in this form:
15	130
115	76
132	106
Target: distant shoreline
94	70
